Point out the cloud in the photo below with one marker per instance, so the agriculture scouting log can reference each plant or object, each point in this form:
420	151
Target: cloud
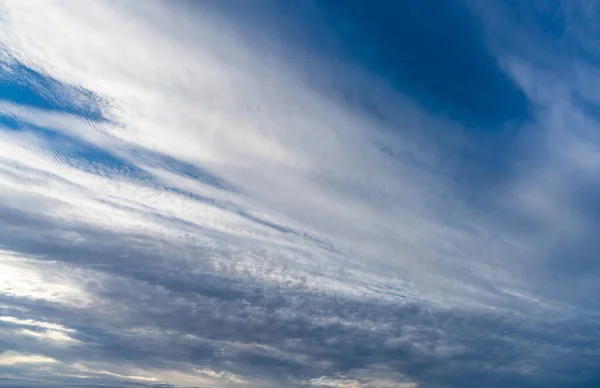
31	322
48	335
182	206
12	358
21	278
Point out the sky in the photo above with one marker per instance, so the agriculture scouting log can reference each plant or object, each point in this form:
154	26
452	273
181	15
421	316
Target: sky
320	193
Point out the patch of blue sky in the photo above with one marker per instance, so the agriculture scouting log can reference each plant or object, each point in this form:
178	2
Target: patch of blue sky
23	85
432	51
590	109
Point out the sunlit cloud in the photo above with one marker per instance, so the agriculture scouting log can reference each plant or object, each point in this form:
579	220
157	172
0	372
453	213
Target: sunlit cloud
32	322
26	278
14	358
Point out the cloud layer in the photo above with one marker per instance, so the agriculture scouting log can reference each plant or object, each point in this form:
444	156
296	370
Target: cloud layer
197	194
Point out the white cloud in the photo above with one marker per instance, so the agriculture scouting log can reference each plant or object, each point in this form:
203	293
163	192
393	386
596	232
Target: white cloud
52	336
14	358
336	382
181	377
32	322
26	278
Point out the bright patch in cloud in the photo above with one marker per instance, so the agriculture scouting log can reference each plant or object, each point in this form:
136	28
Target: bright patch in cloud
14	358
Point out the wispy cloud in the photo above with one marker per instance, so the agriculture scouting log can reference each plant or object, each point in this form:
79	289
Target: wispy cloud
12	358
181	206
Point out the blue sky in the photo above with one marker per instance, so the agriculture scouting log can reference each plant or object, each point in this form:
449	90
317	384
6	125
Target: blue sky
341	194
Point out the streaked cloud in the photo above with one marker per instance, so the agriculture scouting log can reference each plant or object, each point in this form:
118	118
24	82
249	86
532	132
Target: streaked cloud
13	358
189	198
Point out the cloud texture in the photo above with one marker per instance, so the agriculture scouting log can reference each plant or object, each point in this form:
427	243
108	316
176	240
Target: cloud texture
218	194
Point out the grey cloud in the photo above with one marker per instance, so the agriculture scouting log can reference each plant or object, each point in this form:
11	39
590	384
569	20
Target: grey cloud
255	330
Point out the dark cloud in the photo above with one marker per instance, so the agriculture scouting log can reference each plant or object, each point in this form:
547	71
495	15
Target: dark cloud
234	324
